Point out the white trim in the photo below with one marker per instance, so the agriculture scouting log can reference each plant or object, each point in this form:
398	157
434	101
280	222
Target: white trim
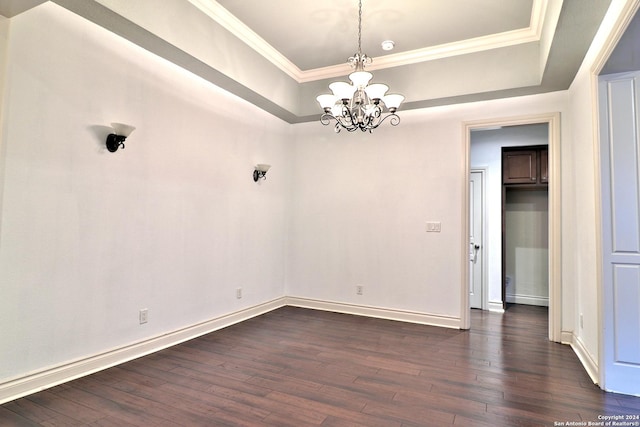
232	24
626	16
589	363
42	380
465	305
446	50
539	11
495	306
530	34
555	212
566	337
378	312
528	299
555	228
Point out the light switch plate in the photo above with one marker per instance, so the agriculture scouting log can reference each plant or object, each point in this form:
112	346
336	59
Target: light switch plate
433	227
144	315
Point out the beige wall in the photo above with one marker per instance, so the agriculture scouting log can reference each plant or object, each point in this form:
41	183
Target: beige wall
363	220
173	223
527	246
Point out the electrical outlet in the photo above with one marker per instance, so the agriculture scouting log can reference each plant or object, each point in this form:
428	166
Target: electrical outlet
239	293
359	289
144	315
581	321
433	227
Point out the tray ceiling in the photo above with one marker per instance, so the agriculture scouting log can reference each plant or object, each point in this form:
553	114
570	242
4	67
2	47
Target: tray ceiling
279	54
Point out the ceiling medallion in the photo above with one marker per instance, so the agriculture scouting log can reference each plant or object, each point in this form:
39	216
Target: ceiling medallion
359	105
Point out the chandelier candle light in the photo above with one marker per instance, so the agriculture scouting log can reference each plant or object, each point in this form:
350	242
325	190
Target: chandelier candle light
359	105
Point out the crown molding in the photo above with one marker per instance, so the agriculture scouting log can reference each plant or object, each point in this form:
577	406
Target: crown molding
232	24
431	53
530	34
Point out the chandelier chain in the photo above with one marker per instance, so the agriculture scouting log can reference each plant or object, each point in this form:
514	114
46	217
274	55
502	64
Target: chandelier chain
360	27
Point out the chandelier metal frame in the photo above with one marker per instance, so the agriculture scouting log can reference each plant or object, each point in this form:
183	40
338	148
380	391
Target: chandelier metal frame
359	105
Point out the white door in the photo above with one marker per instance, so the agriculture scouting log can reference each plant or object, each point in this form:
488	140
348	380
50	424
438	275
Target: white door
475	239
620	178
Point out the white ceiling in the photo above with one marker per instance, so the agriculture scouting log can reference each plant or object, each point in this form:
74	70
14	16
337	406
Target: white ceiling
312	40
280	54
316	34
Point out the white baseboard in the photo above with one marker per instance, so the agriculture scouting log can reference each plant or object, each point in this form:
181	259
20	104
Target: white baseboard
47	378
378	312
528	299
590	365
42	380
566	337
495	306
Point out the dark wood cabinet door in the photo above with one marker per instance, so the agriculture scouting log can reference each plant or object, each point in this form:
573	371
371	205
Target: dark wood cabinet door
519	167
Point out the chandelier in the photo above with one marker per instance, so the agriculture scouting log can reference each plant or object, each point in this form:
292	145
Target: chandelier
359	105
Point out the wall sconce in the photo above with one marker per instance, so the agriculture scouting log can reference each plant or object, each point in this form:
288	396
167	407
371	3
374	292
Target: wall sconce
115	140
260	172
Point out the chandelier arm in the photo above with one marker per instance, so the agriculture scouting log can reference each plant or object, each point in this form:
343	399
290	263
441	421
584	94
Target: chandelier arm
347	113
350	127
369	121
394	119
377	112
342	122
374	118
325	119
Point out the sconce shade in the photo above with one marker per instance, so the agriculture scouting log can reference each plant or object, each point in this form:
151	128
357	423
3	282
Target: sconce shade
123	129
262	167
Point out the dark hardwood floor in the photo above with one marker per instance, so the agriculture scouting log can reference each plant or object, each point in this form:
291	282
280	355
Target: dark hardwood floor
299	367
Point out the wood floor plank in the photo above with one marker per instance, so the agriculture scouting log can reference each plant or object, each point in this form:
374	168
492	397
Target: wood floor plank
72	408
410	413
298	367
124	409
38	414
10	418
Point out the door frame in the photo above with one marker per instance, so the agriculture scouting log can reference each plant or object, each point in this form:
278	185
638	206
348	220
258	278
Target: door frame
483	208
555	217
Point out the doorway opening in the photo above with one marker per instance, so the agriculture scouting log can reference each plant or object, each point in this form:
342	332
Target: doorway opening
525	222
494	297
